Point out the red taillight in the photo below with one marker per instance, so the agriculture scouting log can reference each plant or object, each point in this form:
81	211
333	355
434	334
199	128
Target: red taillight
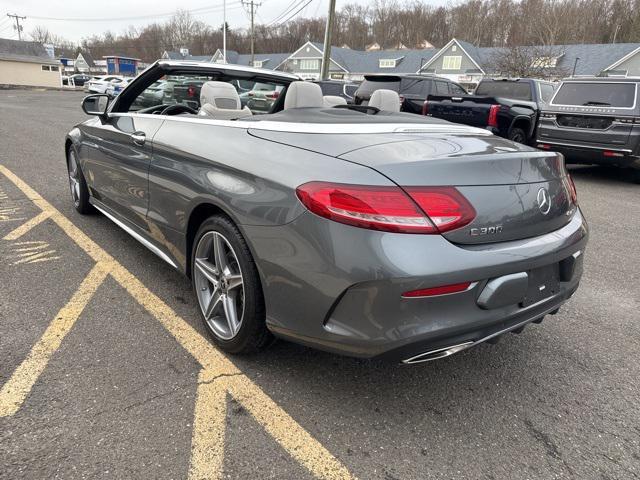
374	207
388	208
544	146
273	95
425	107
432	292
446	206
493	116
191	91
572	189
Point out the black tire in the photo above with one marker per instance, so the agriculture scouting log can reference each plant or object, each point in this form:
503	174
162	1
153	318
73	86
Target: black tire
80	197
253	334
518	135
635	175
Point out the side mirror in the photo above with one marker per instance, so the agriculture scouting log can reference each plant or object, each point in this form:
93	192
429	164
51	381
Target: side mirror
95	104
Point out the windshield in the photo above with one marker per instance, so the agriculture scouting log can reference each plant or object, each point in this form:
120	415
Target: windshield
621	95
514	90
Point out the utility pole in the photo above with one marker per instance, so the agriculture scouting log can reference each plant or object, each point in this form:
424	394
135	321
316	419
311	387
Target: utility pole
326	54
224	31
252	12
18	27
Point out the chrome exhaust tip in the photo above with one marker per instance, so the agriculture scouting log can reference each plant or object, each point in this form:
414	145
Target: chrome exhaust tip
438	353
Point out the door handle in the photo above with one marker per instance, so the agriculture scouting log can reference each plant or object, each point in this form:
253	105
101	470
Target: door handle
138	138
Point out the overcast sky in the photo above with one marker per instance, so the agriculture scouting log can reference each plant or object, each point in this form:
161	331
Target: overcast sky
75	19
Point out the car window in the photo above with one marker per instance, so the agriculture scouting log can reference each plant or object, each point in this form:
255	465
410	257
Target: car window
456	89
350	90
412	86
184	89
606	94
441	88
546	92
508	89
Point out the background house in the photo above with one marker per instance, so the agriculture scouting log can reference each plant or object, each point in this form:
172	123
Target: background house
27	64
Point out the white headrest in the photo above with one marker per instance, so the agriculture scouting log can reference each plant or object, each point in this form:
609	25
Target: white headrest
221	95
333	100
385	100
303	94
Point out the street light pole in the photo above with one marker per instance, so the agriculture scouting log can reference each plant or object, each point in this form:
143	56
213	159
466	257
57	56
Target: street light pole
326	54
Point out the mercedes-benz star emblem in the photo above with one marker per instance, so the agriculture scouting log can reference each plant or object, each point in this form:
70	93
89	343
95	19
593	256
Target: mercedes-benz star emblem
544	201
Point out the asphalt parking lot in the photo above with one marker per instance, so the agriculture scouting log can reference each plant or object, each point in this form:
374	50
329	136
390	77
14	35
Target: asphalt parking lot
105	371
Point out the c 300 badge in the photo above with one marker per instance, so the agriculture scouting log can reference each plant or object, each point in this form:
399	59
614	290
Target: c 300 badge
493	230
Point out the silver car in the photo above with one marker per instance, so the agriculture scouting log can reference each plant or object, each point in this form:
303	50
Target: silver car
356	230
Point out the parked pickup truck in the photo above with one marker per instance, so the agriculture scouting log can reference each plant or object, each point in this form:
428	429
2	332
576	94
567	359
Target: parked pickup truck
506	107
594	121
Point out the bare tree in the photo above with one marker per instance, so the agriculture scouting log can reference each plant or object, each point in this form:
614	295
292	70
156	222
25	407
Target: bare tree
531	62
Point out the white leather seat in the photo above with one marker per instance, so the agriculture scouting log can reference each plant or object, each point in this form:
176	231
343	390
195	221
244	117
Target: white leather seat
333	100
303	95
385	100
220	100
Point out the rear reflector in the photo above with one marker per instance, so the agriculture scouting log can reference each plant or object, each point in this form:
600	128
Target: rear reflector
608	153
428	210
434	291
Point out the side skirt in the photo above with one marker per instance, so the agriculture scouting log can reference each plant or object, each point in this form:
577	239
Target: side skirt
134	232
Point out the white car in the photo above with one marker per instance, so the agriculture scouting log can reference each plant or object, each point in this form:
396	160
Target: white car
113	89
101	83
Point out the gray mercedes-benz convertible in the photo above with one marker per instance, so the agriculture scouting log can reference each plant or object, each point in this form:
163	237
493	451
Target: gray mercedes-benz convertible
354	229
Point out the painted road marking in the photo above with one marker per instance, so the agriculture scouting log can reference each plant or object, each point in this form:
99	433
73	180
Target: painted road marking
31	252
25	227
14	392
209	426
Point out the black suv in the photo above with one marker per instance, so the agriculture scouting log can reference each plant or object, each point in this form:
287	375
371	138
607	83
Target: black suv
594	121
413	89
337	88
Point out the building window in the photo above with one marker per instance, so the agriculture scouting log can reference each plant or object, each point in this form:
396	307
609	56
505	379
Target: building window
46	68
54	68
387	63
257	63
309	64
451	63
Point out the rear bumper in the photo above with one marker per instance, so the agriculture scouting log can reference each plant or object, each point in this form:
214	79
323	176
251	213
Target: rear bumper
339	288
592	155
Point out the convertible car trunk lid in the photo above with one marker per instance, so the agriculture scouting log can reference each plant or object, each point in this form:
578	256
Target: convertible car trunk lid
517	192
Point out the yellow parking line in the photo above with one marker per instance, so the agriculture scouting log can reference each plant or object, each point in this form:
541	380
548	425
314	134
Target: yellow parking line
14	392
209	425
206	458
25	227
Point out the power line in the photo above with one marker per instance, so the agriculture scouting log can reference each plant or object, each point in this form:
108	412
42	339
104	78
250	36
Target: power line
290	17
208	9
285	12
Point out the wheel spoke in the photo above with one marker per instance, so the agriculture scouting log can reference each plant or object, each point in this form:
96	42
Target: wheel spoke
233	281
219	254
216	297
230	312
207	270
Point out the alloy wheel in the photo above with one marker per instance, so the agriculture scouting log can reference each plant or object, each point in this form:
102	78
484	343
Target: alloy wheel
74	178
219	285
